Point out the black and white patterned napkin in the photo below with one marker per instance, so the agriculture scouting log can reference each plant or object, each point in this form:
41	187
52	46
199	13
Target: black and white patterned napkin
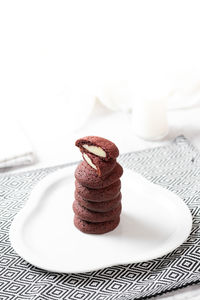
175	167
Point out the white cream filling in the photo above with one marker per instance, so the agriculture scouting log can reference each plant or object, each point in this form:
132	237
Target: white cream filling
89	161
95	150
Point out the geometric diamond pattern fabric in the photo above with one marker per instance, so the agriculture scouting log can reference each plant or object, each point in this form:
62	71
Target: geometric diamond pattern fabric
175	167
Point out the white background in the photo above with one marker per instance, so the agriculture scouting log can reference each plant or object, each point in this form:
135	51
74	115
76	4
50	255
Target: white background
54	51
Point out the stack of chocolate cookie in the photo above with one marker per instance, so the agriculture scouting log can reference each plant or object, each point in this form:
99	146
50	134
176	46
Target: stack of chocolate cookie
97	204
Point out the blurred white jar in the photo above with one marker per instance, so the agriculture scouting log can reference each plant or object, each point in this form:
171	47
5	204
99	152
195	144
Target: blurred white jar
149	118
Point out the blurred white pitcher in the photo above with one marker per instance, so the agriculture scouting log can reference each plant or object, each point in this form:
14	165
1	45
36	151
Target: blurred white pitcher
149	118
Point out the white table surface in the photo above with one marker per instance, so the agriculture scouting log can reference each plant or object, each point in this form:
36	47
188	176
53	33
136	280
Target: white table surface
54	144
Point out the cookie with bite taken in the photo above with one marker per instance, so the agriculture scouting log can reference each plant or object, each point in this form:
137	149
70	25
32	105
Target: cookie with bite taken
97	206
98	146
102	167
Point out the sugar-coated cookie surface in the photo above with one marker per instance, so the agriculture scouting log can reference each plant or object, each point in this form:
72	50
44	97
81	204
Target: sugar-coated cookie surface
99	206
98	146
95	228
97	195
95	217
88	177
101	166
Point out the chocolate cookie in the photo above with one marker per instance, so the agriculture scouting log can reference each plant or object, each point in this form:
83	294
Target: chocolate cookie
99	206
95	217
98	146
101	166
108	193
89	178
95	228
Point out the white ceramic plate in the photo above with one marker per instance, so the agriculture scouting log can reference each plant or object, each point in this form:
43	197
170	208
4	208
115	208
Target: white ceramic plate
154	221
